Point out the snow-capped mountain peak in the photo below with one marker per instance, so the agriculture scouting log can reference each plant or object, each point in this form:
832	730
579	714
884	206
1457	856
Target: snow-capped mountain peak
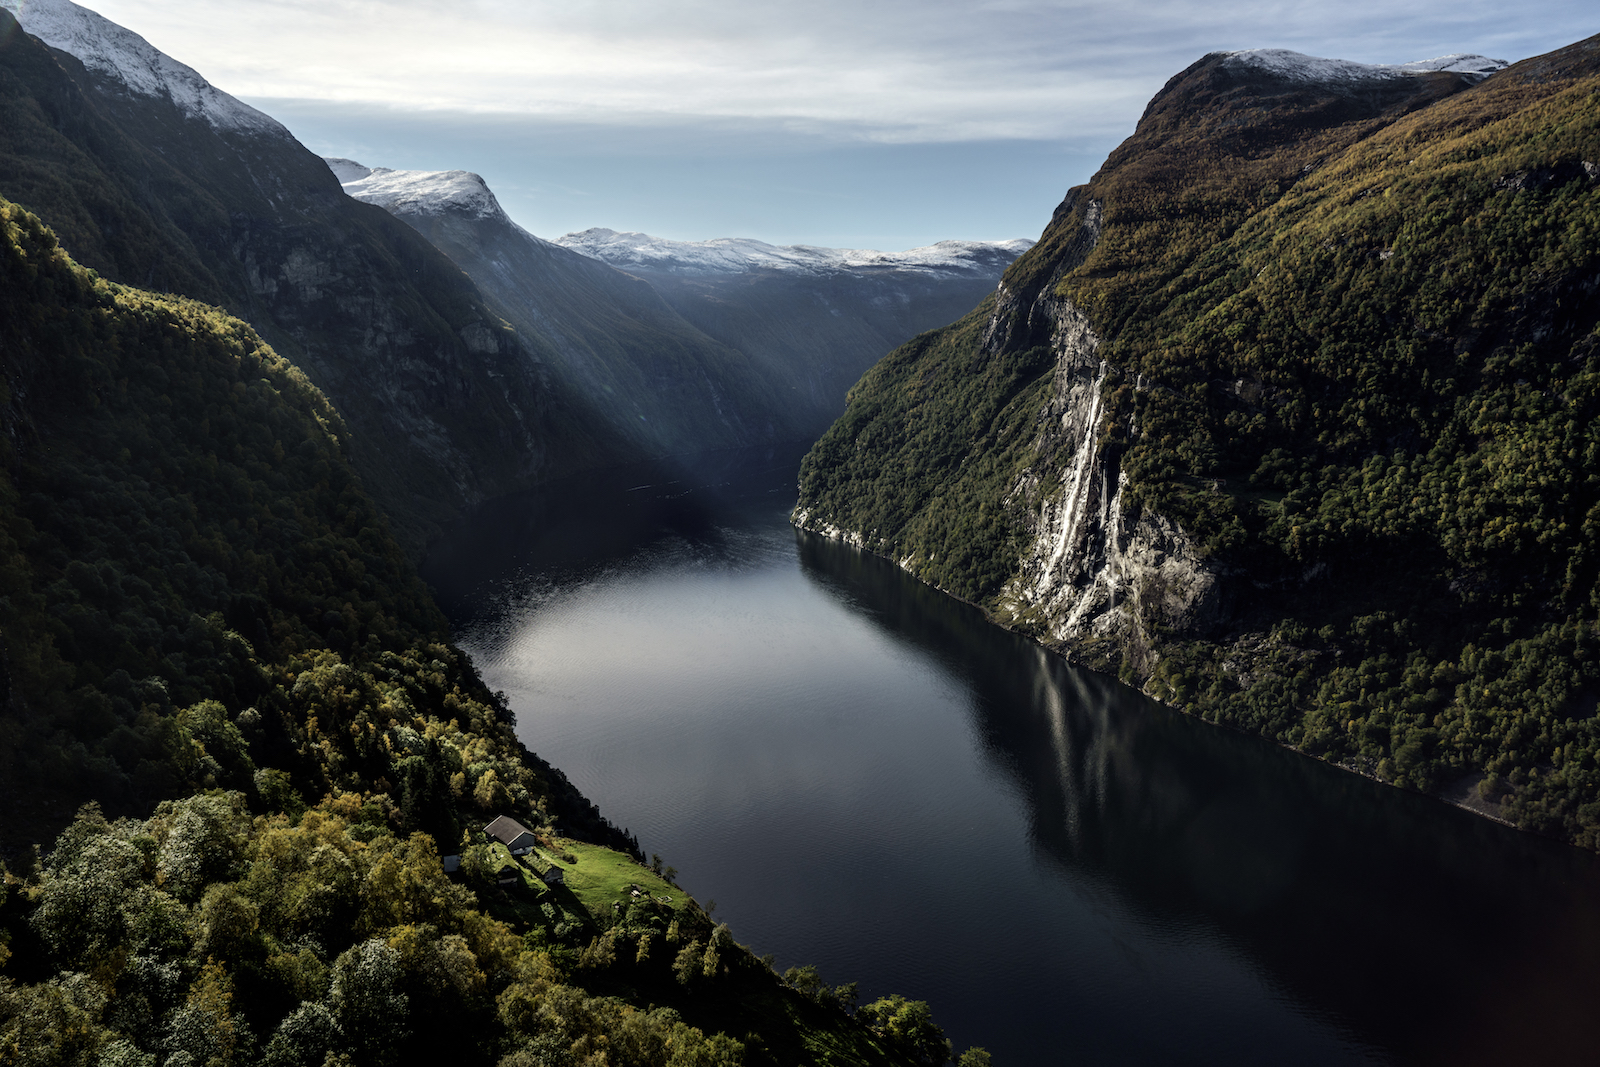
737	255
1297	66
346	170
115	52
418	192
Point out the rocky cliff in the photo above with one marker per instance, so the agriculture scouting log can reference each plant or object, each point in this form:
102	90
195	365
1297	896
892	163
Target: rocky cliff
1091	578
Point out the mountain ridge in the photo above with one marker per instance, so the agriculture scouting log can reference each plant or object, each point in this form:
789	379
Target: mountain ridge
116	52
733	255
684	346
447	404
1298	66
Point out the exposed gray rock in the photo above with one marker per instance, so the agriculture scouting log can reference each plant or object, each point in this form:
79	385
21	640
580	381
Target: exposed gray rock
1090	576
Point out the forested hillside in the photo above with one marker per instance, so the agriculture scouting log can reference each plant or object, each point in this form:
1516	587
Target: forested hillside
1290	419
210	635
448	404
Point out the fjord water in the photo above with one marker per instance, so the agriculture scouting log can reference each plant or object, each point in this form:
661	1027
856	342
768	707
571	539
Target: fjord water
869	777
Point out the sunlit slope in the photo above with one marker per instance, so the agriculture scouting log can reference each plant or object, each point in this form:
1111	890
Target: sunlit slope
689	346
650	376
1290	418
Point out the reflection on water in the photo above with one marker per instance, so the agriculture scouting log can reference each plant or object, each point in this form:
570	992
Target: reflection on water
873	779
1434	934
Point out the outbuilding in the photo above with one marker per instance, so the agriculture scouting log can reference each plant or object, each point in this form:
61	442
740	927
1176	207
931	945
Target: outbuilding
552	874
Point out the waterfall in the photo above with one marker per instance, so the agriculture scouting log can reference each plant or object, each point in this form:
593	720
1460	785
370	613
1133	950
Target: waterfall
1075	502
1111	523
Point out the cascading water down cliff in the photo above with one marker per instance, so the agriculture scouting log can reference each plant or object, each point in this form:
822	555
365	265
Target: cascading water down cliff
1089	581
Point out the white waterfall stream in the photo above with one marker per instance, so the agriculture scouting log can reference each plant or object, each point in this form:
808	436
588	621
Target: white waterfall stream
1075	501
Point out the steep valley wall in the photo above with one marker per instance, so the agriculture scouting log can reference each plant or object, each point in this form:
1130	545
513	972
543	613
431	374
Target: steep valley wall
1292	420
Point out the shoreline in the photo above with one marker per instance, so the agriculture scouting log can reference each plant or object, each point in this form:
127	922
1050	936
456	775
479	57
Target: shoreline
1462	793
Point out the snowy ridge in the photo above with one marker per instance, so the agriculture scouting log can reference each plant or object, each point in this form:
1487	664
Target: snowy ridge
737	255
108	49
1299	67
418	192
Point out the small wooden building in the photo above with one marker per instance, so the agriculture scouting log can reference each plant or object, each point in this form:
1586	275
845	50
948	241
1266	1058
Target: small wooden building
508	875
512	834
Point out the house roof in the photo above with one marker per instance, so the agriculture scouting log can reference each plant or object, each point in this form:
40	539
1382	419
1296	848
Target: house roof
508	831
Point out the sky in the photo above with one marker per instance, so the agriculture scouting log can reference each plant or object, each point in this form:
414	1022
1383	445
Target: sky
848	123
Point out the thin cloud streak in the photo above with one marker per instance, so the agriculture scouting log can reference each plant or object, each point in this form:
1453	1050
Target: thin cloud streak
893	70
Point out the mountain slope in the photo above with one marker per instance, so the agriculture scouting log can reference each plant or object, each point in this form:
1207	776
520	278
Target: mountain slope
1289	418
811	320
155	178
207	634
655	379
688	346
183	535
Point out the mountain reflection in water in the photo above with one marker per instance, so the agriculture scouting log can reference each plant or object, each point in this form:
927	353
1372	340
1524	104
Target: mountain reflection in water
1440	936
874	779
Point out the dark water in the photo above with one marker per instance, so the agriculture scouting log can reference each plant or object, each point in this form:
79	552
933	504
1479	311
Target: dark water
868	777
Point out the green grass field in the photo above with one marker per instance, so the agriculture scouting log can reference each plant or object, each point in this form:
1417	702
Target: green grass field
602	876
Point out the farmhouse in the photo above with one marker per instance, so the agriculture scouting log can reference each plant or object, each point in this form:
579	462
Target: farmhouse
512	834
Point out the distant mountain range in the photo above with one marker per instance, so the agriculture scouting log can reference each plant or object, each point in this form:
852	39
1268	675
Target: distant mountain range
732	255
152	175
685	345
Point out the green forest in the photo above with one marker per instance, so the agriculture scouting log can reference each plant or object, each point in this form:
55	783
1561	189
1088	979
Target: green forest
1351	349
239	740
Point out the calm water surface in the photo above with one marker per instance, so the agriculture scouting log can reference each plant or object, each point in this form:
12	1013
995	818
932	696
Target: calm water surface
866	776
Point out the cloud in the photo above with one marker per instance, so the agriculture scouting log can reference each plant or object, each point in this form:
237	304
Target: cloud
891	70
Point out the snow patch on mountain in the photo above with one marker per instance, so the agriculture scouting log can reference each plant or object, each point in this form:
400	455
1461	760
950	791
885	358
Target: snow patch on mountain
346	170
736	255
418	192
110	50
1297	66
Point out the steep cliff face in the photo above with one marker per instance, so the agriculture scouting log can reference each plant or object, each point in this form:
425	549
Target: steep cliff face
1091	578
1288	419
